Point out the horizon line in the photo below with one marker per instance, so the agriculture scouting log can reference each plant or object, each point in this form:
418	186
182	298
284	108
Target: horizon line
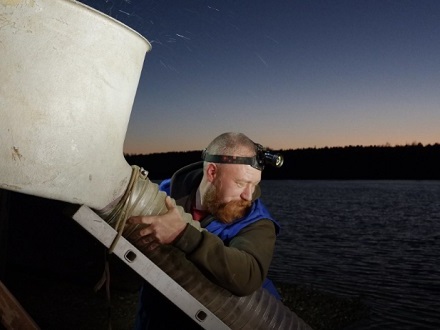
386	145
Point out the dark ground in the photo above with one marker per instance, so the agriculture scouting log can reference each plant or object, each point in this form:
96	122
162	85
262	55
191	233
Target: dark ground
54	303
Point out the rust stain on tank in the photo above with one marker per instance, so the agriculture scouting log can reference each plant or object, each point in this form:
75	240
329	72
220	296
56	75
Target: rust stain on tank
16	155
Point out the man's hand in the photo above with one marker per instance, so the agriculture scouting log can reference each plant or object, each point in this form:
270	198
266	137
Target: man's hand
158	229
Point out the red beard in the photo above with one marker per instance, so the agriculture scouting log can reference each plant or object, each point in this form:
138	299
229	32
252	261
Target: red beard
225	212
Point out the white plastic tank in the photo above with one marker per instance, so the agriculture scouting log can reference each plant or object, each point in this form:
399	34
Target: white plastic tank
68	78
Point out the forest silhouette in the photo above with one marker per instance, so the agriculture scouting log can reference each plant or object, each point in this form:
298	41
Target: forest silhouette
409	162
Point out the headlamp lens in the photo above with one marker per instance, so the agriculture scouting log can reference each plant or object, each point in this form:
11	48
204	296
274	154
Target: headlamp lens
275	160
266	157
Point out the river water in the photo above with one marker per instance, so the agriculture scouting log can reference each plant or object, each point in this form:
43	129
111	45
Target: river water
378	240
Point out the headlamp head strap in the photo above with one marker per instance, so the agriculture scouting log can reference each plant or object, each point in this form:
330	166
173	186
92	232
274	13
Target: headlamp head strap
223	159
261	158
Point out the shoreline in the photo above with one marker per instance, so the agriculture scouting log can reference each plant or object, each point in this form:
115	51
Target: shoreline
322	310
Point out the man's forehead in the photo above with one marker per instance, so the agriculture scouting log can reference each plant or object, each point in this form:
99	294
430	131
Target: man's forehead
242	172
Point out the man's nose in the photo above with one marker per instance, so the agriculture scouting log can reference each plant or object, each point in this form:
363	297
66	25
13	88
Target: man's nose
247	193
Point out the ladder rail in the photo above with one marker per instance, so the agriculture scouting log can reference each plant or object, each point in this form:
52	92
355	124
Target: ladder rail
148	270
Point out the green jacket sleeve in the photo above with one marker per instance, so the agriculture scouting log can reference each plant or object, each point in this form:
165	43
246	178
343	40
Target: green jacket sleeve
240	267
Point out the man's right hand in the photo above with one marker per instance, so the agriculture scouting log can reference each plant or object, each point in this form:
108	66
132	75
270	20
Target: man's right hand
158	229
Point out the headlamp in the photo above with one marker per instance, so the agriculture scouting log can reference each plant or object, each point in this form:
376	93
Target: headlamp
261	158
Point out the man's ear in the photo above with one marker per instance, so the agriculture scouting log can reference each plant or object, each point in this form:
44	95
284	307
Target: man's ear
211	172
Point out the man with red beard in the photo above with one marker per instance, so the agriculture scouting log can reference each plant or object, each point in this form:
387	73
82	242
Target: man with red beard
235	249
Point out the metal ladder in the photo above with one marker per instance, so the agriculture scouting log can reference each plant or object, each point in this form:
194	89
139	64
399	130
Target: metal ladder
137	261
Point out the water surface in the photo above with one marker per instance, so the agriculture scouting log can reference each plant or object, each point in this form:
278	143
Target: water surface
379	240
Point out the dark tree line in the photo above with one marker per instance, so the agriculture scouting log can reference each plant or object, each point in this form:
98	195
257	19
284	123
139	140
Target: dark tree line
410	162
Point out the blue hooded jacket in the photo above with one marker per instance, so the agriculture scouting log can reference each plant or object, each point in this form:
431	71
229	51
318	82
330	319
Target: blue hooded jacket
226	231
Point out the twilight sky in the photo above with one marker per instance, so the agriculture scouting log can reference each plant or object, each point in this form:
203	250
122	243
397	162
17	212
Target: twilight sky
288	73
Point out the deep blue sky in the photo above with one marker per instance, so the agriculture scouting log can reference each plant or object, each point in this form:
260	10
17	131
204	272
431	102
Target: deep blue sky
289	74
